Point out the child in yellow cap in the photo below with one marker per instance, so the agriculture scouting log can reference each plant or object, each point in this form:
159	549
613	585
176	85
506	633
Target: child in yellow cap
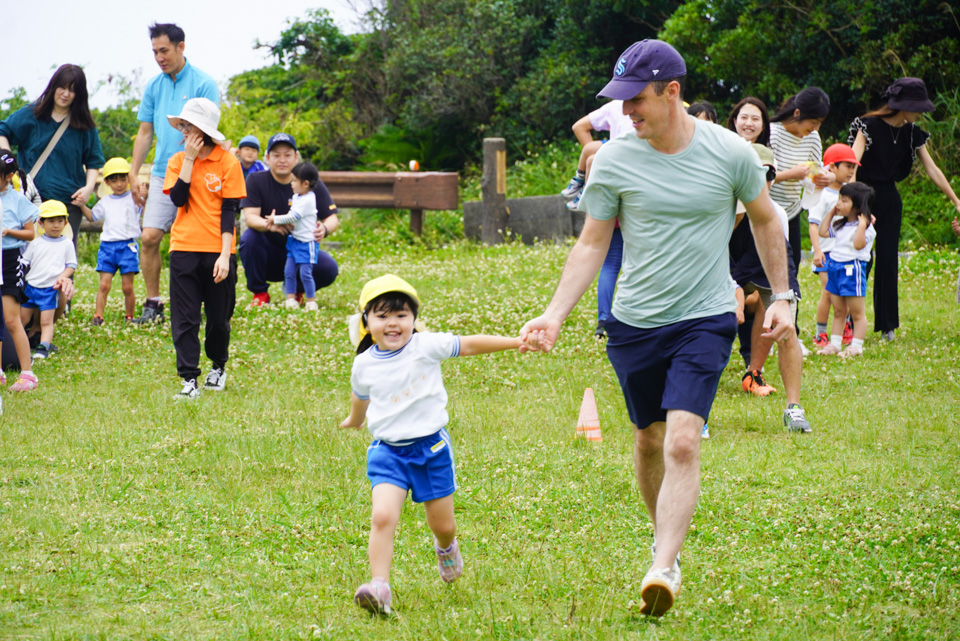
119	249
398	388
50	261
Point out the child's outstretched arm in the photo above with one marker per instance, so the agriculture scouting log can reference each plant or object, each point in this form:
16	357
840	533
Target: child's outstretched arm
358	412
483	344
87	212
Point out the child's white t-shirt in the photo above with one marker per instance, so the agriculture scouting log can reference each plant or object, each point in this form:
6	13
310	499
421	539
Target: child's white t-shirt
610	118
405	387
48	257
303	215
843	251
120	216
828	199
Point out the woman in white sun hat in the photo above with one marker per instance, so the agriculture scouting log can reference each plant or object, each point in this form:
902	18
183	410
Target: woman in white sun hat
205	182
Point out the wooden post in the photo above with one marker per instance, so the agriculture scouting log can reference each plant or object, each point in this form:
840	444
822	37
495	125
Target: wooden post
494	188
416	221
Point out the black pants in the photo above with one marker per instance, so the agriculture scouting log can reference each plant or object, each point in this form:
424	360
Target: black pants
888	208
191	284
74	217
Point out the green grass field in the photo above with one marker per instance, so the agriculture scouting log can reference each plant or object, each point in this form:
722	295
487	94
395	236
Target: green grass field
244	515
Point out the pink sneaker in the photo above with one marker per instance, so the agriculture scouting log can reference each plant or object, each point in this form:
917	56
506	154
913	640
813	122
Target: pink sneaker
449	561
374	597
25	383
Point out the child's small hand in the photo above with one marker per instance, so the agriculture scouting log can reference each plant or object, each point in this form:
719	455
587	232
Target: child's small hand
818	258
956	226
5	230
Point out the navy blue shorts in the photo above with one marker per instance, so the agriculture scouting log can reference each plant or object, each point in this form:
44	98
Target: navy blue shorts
301	252
847	279
43	298
122	255
425	466
674	367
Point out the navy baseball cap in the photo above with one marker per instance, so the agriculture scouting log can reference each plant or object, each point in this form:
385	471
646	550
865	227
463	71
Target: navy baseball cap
642	63
276	139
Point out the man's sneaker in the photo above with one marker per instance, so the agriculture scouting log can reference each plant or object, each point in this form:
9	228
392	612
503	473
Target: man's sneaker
25	383
795	420
374	597
42	351
189	391
847	333
706	431
821	341
96	321
449	561
574	205
311	306
216	380
659	590
291	303
828	350
261	299
571	190
152	313
850	352
753	383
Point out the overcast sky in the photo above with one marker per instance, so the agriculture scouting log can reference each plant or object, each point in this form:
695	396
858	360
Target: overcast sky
108	39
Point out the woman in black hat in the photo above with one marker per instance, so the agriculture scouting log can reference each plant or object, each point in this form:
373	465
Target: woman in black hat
887	142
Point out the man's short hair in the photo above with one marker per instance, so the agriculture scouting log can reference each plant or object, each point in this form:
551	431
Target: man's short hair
168	29
659	86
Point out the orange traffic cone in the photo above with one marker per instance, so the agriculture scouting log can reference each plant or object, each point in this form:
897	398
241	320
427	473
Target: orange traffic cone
588	425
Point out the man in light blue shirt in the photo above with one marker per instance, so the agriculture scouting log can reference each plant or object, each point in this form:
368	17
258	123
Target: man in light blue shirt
673	188
164	95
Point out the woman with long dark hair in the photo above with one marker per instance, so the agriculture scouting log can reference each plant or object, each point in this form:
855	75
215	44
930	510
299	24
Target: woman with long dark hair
69	174
887	143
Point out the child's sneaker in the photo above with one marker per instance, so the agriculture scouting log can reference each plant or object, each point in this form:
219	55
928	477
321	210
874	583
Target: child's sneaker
821	341
795	420
311	306
3	378
374	597
25	383
851	351
449	561
706	431
828	350
574	205
216	380
571	190
42	352
659	590
189	391
97	321
753	382
261	299
291	303
847	333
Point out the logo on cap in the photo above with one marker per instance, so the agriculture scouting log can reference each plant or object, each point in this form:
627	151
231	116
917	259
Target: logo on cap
621	67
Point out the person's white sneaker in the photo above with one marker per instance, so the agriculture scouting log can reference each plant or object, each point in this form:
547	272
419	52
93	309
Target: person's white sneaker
310	306
189	391
291	303
216	380
659	590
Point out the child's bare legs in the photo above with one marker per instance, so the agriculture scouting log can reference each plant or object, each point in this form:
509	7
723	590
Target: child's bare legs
823	305
587	152
387	504
11	317
839	315
106	281
857	308
129	299
441	520
46	325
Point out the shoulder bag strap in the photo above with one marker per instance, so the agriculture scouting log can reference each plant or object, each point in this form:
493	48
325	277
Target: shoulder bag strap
50	145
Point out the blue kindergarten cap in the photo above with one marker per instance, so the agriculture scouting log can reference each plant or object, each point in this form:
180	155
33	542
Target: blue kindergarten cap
638	66
276	139
249	141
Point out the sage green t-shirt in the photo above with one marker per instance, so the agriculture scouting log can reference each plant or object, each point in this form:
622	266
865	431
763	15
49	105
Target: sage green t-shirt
676	215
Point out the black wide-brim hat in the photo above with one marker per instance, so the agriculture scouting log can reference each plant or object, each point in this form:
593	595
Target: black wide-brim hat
908	94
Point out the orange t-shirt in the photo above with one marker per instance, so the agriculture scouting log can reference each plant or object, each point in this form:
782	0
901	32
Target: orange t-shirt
197	226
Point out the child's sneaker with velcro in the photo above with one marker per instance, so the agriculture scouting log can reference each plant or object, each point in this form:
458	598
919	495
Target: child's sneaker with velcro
449	561
374	597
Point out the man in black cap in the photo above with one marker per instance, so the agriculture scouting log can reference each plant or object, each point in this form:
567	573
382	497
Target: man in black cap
673	188
263	246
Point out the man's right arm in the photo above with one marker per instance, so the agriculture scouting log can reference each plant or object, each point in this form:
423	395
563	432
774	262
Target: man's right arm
141	147
581	268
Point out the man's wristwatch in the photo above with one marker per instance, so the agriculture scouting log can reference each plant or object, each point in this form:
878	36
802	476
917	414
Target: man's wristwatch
788	295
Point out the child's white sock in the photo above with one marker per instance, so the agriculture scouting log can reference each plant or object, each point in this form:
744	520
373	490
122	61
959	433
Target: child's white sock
836	340
821	328
858	343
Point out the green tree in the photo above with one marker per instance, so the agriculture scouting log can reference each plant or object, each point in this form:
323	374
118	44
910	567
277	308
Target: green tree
16	98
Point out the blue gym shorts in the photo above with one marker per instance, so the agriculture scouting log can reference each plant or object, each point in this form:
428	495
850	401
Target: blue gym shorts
122	255
424	466
302	253
674	367
847	279
43	298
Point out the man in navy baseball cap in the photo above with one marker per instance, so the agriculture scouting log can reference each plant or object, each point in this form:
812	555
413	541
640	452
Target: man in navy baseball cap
642	63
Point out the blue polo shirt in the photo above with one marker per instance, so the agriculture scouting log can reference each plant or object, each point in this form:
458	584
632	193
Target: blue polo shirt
164	97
